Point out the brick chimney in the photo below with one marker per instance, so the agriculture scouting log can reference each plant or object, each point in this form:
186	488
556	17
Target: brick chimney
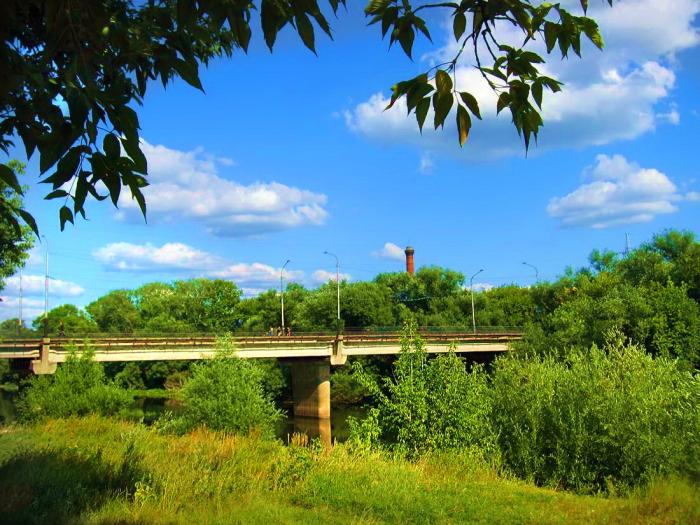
410	268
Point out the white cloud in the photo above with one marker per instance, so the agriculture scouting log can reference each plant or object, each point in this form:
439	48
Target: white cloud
34	285
427	164
620	192
171	256
391	251
482	287
620	93
31	308
187	185
251	277
323	276
256	275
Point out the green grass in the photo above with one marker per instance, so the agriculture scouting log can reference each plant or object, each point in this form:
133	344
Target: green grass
99	471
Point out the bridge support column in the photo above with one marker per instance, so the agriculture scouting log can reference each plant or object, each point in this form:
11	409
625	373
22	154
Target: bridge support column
311	388
43	365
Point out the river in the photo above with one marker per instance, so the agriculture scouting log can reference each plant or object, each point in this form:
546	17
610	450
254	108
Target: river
150	409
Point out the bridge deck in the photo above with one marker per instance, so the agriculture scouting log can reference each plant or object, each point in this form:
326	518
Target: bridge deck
251	347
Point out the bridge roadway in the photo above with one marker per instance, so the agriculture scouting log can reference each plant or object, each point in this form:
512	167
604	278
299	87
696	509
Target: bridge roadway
310	355
336	348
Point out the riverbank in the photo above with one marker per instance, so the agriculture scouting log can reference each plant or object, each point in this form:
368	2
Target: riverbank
99	470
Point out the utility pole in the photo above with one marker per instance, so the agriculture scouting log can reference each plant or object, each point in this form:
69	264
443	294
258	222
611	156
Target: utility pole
537	274
46	287
282	291
337	283
471	287
19	324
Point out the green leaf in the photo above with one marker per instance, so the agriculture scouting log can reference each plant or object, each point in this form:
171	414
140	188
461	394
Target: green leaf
56	194
305	30
7	175
443	82
459	25
471	103
464	124
110	146
189	73
133	150
271	20
406	37
422	111
503	102
536	90
65	215
29	219
551	33
442	104
114	185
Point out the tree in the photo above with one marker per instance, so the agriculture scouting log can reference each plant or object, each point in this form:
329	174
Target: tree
67	318
15	240
73	72
115	312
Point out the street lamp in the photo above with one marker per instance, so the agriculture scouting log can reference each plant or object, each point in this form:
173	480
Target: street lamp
337	283
46	287
282	291
537	274
471	287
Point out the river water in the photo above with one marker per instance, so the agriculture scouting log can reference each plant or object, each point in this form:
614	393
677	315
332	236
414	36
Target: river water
150	409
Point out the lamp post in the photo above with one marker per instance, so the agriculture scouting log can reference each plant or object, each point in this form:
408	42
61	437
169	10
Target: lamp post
537	274
471	287
46	287
282	291
337	283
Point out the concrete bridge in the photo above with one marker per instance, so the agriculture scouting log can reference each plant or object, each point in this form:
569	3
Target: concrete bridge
310	355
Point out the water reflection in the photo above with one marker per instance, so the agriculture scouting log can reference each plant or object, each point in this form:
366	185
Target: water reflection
148	410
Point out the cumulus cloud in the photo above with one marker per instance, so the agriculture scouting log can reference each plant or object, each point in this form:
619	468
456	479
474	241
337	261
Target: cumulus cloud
619	192
253	278
146	257
34	285
187	184
31	308
390	251
620	93
482	287
323	276
256	275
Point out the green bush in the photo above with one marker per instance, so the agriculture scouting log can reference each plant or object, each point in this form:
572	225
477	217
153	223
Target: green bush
428	404
226	394
78	387
605	416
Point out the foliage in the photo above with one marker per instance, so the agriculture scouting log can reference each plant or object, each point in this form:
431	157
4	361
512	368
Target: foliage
428	404
96	470
78	387
74	75
226	393
610	417
15	240
13	327
115	312
73	321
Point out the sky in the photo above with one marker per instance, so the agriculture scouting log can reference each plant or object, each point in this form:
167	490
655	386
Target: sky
288	155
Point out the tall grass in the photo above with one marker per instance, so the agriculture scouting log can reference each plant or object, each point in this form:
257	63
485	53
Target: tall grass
96	470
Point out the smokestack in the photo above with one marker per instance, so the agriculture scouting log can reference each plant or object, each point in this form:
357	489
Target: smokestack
410	268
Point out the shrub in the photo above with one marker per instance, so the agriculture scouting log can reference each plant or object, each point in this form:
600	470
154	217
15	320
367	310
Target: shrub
605	416
226	393
78	387
428	404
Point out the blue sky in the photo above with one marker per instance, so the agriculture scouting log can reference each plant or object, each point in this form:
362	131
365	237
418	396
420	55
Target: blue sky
290	154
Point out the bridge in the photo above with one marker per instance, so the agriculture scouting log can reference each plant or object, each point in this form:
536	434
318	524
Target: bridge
310	355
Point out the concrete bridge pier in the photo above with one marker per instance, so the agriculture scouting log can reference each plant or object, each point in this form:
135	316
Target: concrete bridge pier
43	365
311	388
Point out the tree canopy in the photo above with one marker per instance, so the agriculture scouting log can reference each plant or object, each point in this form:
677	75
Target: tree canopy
73	73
